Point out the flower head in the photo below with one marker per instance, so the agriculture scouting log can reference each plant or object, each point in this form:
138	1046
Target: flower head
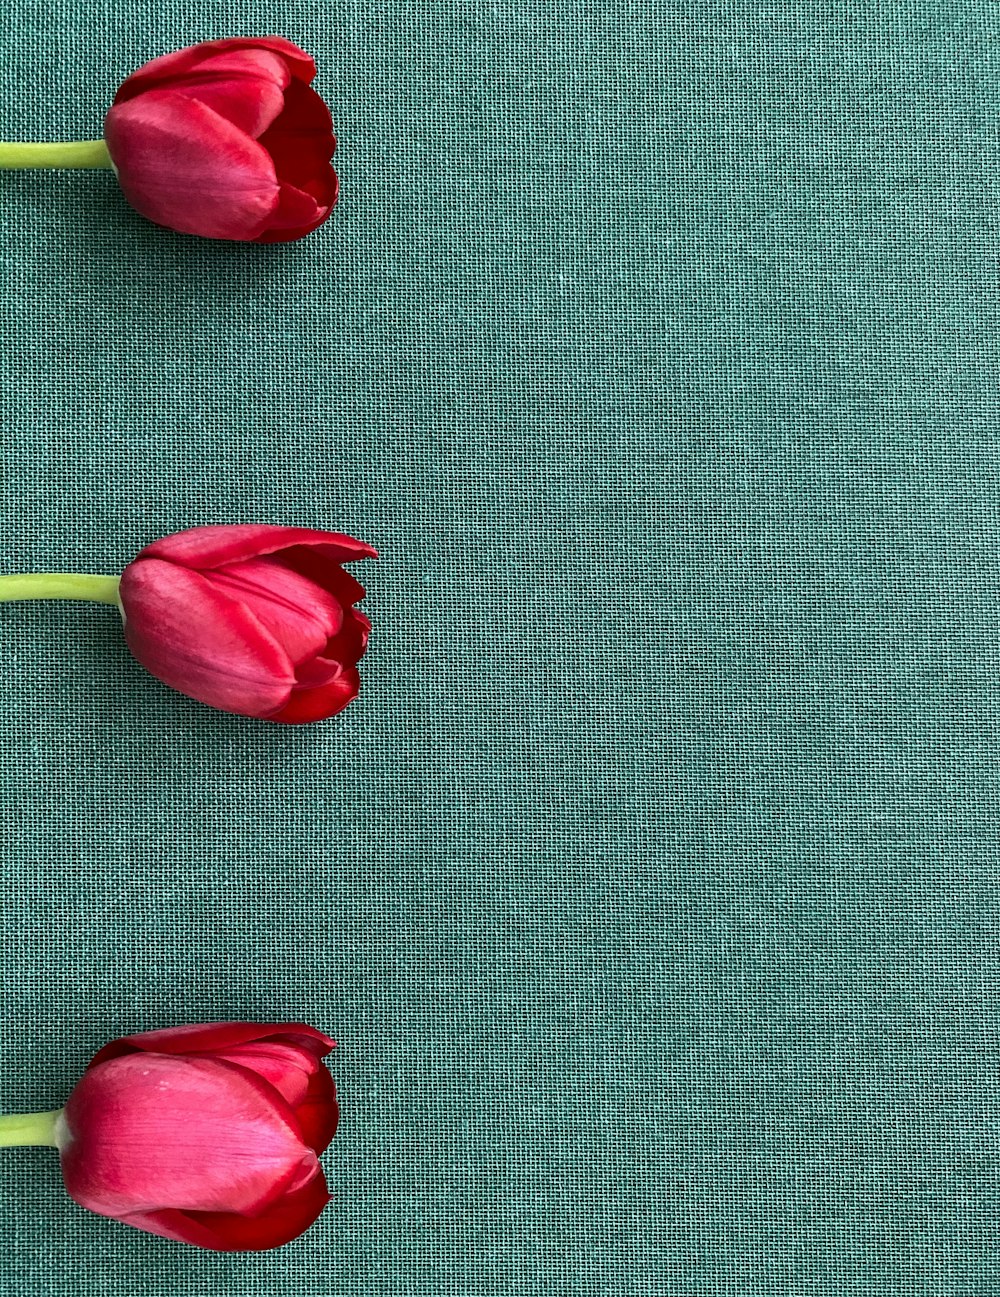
227	140
257	620
205	1134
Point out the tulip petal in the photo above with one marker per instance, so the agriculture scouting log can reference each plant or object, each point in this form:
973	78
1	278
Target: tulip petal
175	66
182	165
296	214
302	1081
140	1125
208	547
305	113
201	642
318	1113
364	629
255	64
317	704
345	648
313	562
318	671
322	204
301	140
300	614
251	105
289	1217
300	144
350	642
208	1037
286	1068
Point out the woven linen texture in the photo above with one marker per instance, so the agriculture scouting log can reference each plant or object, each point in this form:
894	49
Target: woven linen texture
650	888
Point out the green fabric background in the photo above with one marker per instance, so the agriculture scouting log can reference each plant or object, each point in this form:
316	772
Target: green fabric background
650	888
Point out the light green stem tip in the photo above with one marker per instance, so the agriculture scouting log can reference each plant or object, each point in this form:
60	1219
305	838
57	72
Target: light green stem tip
29	1128
59	585
69	153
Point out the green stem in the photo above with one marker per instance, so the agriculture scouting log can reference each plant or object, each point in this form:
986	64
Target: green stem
70	153
59	585
29	1128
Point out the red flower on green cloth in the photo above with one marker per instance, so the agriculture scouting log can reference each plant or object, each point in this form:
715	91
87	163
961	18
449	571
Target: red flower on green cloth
208	1135
226	139
253	619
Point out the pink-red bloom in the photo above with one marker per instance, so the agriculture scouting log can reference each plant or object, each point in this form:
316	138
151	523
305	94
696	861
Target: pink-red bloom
227	140
256	620
208	1134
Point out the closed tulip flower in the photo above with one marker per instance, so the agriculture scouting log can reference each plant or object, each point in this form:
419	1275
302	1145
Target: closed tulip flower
207	1135
257	620
226	140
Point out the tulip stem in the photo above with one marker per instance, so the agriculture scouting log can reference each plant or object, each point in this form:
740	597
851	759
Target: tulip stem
59	585
23	1128
68	153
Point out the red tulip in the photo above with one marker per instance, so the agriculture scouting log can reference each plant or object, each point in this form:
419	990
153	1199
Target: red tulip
227	140
255	620
208	1135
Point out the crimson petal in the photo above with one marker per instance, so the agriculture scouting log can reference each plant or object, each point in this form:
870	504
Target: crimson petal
286	1068
301	140
318	1113
139	1126
206	1037
175	66
226	1232
201	642
207	547
313	562
296	214
251	104
349	644
184	166
318	704
300	614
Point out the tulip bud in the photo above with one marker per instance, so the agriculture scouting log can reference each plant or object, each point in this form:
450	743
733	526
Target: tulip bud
256	620
226	139
208	1135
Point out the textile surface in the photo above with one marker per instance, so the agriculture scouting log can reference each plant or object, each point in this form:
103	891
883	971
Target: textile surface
650	886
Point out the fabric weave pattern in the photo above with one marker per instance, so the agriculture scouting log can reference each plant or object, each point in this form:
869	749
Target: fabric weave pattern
650	887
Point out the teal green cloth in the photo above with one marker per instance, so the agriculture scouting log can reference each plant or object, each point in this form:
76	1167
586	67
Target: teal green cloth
651	886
